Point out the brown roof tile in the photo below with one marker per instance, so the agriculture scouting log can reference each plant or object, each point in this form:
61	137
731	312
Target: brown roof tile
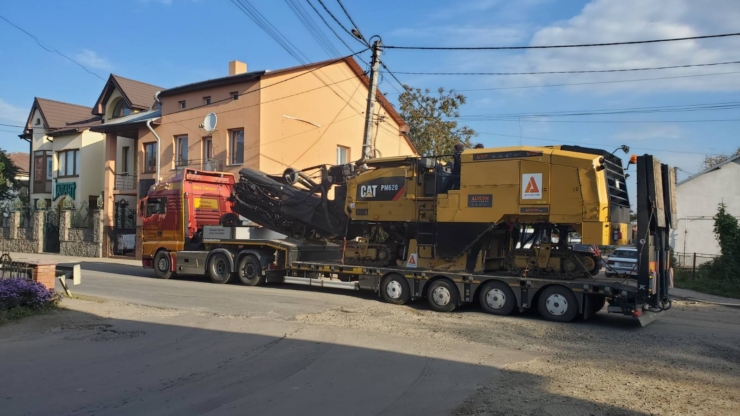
139	94
20	159
62	115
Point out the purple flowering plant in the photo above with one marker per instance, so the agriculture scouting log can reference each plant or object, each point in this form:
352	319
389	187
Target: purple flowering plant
22	292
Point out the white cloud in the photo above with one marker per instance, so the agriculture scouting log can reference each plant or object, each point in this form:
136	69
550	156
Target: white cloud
624	20
651	133
91	59
11	114
465	35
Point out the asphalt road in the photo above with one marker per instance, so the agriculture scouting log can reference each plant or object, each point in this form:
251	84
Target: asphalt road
134	344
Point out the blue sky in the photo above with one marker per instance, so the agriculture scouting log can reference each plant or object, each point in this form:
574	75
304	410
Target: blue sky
173	42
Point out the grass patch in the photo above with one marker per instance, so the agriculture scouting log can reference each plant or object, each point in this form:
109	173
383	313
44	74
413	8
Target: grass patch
21	312
703	284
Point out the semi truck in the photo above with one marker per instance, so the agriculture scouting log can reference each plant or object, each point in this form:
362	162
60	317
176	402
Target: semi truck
406	228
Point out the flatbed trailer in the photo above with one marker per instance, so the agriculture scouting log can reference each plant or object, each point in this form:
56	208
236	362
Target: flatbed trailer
258	262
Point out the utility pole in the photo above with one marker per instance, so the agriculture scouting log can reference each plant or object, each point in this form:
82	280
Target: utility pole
367	144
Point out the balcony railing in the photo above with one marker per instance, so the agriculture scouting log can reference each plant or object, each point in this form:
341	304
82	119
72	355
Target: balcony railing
125	182
211	165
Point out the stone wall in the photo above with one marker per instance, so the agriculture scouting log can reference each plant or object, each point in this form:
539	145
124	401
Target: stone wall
81	242
23	239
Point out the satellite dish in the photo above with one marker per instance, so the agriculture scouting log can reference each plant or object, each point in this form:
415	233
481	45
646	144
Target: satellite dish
209	123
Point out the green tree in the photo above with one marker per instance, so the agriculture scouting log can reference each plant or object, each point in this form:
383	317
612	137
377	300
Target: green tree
426	114
8	177
727	230
714	160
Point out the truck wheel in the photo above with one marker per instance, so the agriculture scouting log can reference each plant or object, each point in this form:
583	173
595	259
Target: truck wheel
395	289
442	296
219	268
558	303
250	271
597	266
497	298
163	264
597	303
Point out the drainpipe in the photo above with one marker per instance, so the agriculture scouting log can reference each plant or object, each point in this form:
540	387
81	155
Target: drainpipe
149	126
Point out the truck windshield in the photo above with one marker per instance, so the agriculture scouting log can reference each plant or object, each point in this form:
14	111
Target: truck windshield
155	206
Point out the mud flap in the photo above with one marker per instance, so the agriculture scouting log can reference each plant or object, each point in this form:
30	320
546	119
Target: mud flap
646	318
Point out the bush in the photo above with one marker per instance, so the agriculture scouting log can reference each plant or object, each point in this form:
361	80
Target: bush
25	293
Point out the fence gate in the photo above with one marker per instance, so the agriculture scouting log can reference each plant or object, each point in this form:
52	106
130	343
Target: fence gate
51	230
123	238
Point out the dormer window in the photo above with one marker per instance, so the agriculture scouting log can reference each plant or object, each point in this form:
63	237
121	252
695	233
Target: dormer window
121	110
38	121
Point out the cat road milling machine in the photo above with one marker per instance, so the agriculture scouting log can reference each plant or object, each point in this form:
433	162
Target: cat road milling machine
499	233
510	210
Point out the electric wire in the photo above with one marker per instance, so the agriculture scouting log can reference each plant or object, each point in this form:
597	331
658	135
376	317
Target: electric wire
338	22
590	71
346	13
582	45
52	50
313	29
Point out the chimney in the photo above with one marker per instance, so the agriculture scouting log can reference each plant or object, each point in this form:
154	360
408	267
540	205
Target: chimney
237	67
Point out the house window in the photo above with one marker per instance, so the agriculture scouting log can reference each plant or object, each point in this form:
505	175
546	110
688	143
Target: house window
120	110
150	157
342	155
69	163
181	149
234	95
42	171
182	104
124	159
206	100
207	148
49	166
237	147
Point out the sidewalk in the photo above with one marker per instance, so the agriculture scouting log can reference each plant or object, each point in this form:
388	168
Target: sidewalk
703	297
70	259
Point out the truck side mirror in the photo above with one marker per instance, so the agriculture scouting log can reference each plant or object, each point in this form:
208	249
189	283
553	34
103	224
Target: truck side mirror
142	208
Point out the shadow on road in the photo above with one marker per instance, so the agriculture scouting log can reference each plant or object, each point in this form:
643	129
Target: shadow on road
84	364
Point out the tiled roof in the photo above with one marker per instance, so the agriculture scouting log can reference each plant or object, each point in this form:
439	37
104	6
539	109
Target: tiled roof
60	115
21	160
139	94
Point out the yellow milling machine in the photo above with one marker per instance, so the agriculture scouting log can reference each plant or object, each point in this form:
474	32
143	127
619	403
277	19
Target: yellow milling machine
513	209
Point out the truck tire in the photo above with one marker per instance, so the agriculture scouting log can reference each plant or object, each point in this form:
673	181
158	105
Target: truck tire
219	268
163	264
558	304
395	289
249	271
442	296
597	303
497	298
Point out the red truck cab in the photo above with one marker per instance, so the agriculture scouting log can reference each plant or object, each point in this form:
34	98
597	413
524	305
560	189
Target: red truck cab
173	213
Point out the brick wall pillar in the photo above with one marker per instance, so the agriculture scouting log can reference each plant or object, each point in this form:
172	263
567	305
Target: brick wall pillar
39	230
98	238
14	222
44	272
65	223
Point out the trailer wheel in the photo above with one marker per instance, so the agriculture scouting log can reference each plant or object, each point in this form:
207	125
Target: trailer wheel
497	298
597	304
163	264
558	303
395	289
250	271
219	268
442	296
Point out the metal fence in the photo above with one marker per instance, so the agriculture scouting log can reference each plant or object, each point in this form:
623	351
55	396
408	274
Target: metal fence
125	182
82	216
211	165
10	269
693	260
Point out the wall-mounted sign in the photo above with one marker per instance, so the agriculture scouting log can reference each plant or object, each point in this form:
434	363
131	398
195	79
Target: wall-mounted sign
65	188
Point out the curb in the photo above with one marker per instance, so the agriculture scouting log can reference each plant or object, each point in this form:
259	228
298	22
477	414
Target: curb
730	305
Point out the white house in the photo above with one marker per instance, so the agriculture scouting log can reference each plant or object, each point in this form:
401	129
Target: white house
697	199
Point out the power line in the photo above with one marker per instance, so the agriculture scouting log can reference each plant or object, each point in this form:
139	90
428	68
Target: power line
51	50
627	121
9	131
570	72
594	82
271	30
627	110
590	144
312	28
10	125
329	26
338	22
359	32
582	45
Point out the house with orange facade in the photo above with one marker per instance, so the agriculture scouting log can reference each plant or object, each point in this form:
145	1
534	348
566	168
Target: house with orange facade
268	120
